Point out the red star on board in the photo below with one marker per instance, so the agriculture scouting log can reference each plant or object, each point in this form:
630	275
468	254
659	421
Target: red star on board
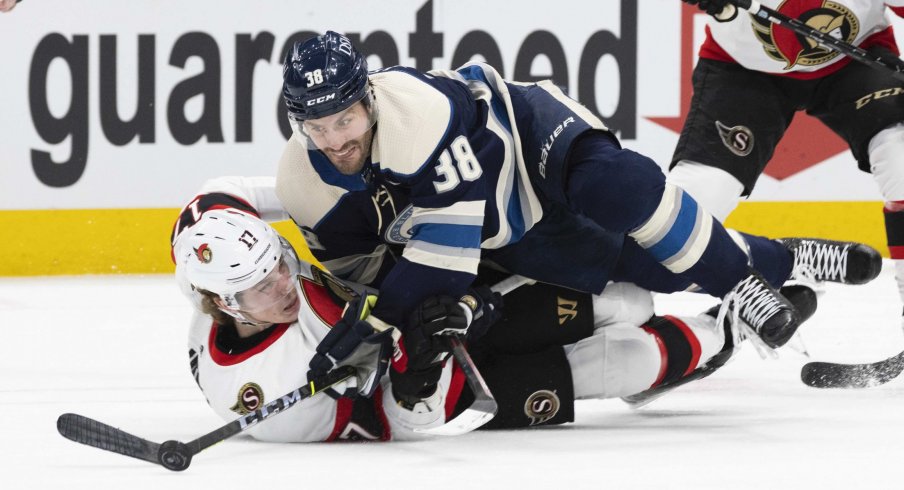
806	143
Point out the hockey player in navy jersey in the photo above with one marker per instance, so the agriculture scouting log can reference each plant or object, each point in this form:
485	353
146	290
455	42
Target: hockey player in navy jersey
263	315
753	77
409	180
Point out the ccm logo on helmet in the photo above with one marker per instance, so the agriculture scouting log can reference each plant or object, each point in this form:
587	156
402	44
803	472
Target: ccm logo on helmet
320	100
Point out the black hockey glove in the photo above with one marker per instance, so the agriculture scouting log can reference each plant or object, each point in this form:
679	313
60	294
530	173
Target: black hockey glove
721	10
426	345
354	341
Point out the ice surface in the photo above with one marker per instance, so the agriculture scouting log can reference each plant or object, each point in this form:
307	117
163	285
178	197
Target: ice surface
113	348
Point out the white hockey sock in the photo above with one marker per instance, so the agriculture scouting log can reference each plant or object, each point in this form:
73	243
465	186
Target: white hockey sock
717	191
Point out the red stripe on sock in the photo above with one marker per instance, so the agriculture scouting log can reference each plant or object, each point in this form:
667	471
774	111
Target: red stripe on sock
692	340
896	252
663	355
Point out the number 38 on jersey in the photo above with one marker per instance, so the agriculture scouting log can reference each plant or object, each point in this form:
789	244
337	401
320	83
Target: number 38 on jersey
456	163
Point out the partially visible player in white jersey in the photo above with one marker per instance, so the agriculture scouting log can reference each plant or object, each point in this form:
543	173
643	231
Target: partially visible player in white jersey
263	313
753	76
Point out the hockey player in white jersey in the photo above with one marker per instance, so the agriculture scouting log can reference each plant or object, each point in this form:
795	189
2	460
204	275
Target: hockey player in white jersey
752	77
265	314
408	180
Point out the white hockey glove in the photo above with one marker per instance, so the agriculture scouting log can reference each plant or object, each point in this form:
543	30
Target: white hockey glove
721	10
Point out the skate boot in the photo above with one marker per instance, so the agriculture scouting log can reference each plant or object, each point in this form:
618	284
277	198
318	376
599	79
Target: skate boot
769	314
801	297
828	260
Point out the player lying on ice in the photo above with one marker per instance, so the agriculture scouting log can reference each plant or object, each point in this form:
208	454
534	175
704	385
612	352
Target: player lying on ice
266	315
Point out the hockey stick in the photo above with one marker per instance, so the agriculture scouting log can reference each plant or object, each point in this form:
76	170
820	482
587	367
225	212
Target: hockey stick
484	406
892	64
833	375
175	455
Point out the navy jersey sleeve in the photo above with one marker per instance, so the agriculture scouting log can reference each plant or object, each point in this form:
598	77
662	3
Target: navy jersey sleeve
448	197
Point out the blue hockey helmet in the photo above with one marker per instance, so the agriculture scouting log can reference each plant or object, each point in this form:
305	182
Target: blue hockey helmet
323	76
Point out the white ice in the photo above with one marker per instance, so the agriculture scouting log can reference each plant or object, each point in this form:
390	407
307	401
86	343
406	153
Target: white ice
113	348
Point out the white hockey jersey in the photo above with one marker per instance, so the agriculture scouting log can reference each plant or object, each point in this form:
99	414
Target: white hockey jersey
759	45
275	362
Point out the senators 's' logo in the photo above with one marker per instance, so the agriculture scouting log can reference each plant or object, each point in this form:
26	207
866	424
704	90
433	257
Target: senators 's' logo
782	44
541	406
249	399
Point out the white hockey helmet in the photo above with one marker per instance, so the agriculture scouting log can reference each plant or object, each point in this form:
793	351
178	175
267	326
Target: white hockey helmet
238	257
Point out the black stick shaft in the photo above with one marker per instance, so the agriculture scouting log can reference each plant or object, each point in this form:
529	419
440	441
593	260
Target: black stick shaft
271	409
89	432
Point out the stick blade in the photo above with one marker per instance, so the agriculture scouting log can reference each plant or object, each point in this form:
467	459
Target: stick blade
90	432
831	375
479	413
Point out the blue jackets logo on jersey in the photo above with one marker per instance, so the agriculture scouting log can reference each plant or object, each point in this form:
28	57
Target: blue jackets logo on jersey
399	231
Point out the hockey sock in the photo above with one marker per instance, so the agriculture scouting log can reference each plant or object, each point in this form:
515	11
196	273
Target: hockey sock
769	257
684	238
678	345
894	232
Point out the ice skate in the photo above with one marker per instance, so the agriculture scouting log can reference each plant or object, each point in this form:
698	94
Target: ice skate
829	260
768	314
801	297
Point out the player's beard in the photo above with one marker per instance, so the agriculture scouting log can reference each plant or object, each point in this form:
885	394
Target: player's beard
349	160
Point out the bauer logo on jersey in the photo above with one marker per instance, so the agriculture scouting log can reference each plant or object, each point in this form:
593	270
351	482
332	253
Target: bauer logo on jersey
399	231
827	17
738	139
205	255
541	406
250	398
547	144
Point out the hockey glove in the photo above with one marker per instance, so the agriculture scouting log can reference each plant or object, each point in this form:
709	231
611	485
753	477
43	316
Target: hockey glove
366	345
486	306
721	10
425	343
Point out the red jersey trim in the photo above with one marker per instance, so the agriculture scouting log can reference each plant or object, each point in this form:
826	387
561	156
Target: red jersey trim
692	340
456	385
711	50
226	359
343	417
663	355
321	302
345	410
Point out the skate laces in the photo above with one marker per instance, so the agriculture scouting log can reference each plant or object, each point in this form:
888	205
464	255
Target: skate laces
817	261
757	304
